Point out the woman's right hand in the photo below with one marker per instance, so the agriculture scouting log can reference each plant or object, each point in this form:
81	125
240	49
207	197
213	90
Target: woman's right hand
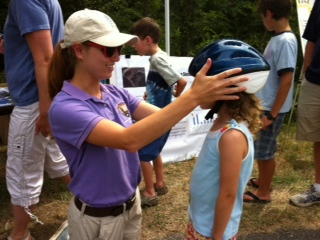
208	89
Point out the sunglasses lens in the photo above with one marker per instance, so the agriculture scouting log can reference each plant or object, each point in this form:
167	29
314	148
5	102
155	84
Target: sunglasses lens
111	50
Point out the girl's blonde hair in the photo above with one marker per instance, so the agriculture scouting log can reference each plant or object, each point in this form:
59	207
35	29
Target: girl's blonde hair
247	108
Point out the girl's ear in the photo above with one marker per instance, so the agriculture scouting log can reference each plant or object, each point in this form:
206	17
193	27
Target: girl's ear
78	50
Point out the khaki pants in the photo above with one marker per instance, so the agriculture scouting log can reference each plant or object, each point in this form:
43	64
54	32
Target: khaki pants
126	226
308	120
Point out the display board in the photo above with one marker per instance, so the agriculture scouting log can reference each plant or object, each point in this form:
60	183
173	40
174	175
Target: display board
304	8
187	136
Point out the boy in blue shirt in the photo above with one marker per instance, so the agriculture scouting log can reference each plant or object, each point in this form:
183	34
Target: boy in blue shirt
276	95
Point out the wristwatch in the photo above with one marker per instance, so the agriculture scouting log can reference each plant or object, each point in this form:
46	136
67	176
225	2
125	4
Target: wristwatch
269	116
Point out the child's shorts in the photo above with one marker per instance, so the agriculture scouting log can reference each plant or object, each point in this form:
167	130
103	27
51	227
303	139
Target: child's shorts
29	155
265	146
153	149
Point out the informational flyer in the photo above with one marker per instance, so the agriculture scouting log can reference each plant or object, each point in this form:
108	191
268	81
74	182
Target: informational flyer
304	8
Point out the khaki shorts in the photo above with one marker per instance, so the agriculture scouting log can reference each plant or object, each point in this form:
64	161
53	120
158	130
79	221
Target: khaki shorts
29	155
308	120
126	226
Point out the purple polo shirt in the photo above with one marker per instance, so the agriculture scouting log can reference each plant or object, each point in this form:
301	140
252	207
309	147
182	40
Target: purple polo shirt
101	176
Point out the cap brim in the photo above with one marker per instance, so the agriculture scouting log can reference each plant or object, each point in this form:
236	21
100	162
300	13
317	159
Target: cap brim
116	39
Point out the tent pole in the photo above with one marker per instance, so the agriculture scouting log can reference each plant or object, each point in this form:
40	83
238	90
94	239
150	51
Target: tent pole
167	26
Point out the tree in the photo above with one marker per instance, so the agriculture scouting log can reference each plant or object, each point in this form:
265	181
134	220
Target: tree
193	23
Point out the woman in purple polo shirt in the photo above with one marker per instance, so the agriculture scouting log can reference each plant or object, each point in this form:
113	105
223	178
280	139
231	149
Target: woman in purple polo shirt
92	124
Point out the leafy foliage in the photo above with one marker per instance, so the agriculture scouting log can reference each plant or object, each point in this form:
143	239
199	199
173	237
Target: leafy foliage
193	23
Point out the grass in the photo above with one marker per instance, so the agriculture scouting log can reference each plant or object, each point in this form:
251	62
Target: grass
294	173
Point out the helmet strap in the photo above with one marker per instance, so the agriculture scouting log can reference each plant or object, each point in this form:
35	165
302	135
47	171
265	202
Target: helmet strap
214	110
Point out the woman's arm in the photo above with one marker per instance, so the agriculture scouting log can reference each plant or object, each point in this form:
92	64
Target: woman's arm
205	89
233	147
309	52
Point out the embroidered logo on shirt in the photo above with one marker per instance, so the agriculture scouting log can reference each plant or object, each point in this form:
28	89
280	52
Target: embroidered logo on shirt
122	107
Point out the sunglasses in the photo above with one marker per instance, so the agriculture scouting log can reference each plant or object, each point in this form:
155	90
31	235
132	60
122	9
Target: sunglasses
107	51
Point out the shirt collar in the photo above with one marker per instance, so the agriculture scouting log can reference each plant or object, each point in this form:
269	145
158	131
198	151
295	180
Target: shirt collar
80	94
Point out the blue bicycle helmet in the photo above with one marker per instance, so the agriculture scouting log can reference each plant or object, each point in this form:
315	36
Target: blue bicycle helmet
227	54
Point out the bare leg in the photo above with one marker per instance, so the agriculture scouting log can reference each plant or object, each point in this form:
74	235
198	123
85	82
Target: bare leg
21	218
266	172
66	179
20	222
147	171
316	155
259	171
158	169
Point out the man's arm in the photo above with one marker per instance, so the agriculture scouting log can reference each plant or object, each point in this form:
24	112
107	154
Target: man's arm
40	44
309	51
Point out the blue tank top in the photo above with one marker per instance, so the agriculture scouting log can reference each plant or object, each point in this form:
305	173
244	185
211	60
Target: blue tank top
205	183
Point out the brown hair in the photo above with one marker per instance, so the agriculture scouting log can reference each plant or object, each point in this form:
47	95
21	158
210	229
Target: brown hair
279	8
247	108
147	27
61	68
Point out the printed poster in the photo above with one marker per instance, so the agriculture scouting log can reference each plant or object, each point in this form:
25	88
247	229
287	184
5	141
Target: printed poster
186	137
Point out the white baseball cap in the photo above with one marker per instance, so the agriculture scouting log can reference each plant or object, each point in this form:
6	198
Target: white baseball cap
94	26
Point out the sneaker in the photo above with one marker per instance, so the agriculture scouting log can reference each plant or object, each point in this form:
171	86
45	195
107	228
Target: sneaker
148	201
161	191
307	198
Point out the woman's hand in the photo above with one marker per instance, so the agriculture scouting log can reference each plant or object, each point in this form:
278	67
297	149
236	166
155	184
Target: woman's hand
208	89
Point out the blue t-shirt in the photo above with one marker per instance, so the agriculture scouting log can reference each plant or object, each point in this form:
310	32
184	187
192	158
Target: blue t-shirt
205	183
312	34
101	176
281	53
24	17
160	79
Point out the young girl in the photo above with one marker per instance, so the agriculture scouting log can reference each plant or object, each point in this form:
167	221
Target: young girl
92	124
225	162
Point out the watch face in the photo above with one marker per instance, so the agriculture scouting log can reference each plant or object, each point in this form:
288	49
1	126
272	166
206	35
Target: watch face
269	116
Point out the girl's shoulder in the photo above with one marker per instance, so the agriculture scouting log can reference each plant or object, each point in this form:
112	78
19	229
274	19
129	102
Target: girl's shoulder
230	125
233	124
